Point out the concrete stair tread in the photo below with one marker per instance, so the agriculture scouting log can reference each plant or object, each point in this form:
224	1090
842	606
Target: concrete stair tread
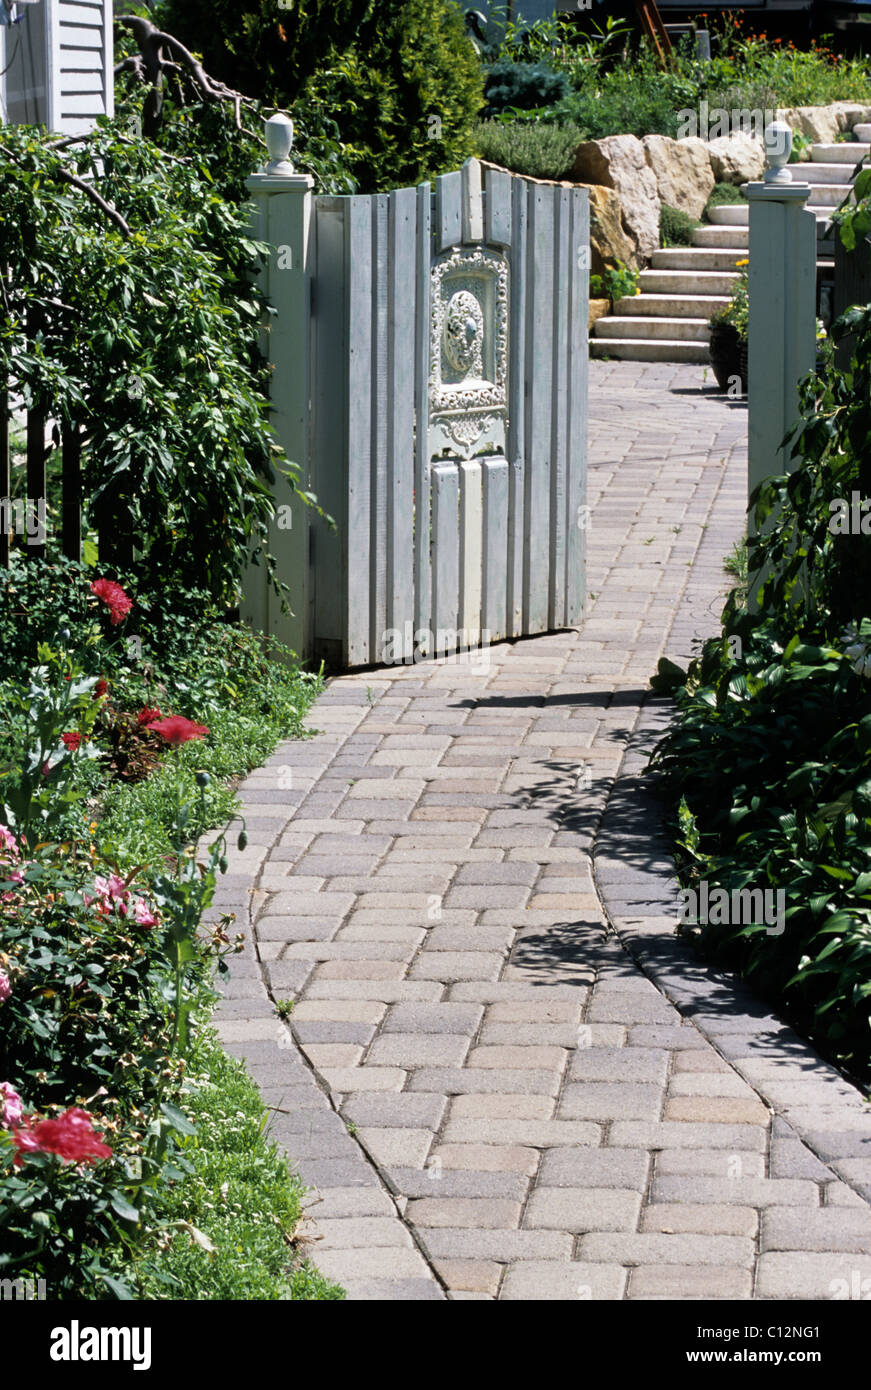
650	350
639	327
846	152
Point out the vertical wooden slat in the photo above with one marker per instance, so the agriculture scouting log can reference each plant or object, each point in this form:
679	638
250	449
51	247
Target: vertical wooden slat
36	490
517	347
497	207
539	335
422	580
494	592
578	409
449	221
329	441
358	410
71	445
401	348
472	202
556	577
471	551
380	414
446	553
5	480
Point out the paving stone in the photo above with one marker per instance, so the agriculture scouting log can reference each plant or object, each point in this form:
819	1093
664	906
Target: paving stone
806	1275
675	1134
562	1281
831	1228
541	1012
440	1180
686	1282
486	1157
395	1110
338	1202
716	1110
342	1079
450	966
503	1246
623	1064
743	1191
338	1010
502	1107
375	1262
602	1100
582	1209
478	1213
662	1036
531	1133
700	1219
713	1163
418	1050
707	1061
359	1232
397	1147
472	1276
650	1248
484	1081
444	1017
595	1168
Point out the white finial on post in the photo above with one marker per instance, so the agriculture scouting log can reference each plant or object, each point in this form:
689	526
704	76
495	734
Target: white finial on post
279	140
778	148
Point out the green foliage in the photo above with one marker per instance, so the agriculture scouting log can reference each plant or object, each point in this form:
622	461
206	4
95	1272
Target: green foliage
261	48
853	218
737	311
525	86
147	340
618	282
406	94
239	1194
676	227
723	194
539	150
770	753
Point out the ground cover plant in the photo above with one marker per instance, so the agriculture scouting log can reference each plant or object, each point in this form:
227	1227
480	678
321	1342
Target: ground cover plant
767	766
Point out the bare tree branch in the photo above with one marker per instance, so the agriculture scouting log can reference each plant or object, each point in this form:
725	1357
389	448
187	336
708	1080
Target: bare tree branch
86	188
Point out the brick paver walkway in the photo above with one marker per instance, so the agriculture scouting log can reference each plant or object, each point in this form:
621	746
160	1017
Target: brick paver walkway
502	1074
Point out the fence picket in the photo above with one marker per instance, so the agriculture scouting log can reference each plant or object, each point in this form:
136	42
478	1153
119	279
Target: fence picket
401	392
494	590
576	446
538	423
446	551
422	576
497	206
36	490
71	539
472	202
517	397
559	537
358	405
471	552
449	219
380	425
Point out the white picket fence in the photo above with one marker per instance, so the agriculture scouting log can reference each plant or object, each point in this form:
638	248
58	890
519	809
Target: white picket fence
441	418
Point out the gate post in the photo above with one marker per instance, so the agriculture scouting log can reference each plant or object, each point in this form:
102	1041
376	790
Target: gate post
782	319
281	217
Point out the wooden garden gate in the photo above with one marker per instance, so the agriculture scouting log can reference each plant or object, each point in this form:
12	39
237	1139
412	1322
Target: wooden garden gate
445	415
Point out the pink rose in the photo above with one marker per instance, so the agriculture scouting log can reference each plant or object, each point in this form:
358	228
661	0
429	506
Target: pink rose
11	1106
144	915
5	986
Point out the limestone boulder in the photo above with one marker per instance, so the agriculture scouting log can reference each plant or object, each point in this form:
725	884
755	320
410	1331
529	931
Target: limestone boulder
609	242
619	162
598	309
736	158
682	170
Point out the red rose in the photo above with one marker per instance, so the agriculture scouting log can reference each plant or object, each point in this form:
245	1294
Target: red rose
115	599
100	689
71	1136
146	717
176	729
72	741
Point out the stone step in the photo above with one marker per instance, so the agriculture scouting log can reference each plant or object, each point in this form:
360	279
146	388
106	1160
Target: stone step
730	215
828	195
687	281
694	258
862	131
721	237
693	306
820	173
649	350
673	329
847	152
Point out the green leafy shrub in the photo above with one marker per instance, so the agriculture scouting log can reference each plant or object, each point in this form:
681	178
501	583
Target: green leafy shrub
767	766
526	86
722	195
737	311
676	227
539	150
618	282
173	404
406	95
